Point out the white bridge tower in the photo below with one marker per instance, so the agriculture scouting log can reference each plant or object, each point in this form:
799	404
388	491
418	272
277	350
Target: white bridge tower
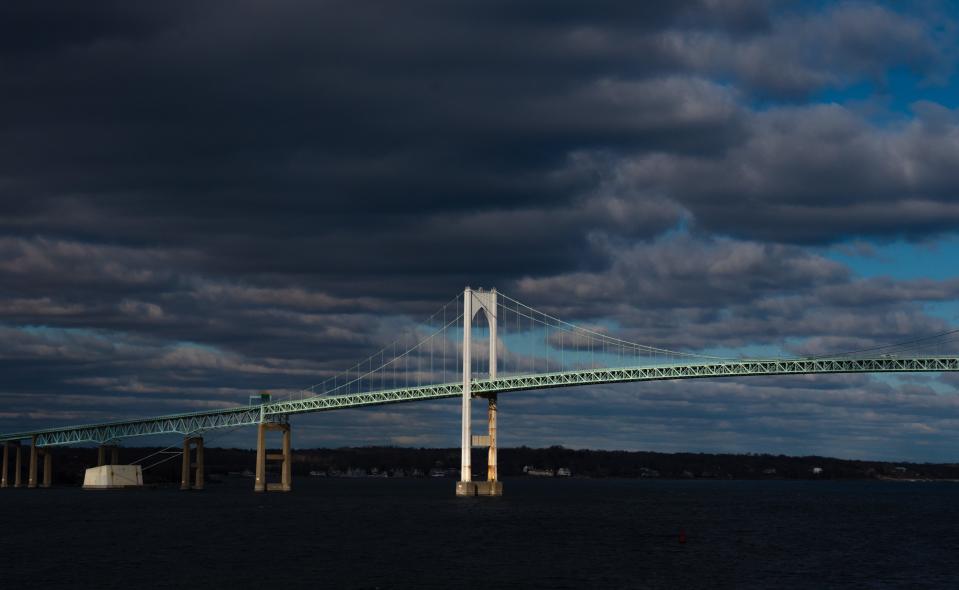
473	302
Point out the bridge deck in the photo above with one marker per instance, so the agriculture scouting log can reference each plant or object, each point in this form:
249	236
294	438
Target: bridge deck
192	423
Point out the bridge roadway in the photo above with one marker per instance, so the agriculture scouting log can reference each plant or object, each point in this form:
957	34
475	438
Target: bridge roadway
199	422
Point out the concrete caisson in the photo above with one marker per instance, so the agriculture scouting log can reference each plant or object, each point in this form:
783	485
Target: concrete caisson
113	477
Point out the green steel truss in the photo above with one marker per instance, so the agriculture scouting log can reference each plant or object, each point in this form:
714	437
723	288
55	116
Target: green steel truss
111	431
199	422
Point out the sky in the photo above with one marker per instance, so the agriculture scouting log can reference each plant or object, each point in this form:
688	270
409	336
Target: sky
203	199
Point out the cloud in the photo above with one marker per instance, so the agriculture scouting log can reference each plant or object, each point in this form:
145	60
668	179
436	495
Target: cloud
691	294
805	51
814	174
221	197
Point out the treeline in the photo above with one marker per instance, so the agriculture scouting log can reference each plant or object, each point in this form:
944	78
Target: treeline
70	463
596	463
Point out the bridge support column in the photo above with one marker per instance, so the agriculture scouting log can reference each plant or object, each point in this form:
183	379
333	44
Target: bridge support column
286	469
5	475
6	465
18	467
259	484
199	475
32	470
473	302
188	442
466	439
102	455
491	473
47	468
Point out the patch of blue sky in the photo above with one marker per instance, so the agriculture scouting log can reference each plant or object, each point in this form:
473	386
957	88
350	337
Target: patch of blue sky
528	351
901	259
854	93
905	87
898	381
946	310
891	99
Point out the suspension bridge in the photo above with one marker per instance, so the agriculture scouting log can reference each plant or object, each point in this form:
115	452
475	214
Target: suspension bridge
478	345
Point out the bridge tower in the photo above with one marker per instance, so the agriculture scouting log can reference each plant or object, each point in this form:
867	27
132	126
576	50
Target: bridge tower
188	443
262	456
473	302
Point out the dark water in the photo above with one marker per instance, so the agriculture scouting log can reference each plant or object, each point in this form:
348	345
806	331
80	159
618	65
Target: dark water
364	533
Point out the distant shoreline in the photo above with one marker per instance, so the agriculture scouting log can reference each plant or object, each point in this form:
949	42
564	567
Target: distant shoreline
548	462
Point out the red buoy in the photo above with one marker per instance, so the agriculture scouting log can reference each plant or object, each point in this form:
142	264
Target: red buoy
682	536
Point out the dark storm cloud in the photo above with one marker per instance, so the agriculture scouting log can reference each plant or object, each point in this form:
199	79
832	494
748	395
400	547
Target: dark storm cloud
803	52
698	294
39	27
367	125
818	174
202	199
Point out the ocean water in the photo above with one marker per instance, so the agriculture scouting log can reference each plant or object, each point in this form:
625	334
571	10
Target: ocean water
543	533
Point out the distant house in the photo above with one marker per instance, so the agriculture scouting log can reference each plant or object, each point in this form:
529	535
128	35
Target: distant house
817	470
769	471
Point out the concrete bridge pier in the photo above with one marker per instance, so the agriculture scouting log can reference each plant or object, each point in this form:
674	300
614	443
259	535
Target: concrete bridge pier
5	475
17	481
473	302
492	486
32	469
286	469
6	465
47	455
492	474
188	442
